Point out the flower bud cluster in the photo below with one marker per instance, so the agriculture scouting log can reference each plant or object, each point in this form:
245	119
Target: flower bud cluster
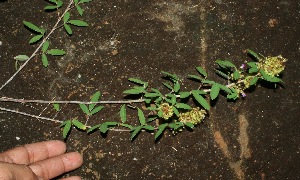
167	110
195	116
273	66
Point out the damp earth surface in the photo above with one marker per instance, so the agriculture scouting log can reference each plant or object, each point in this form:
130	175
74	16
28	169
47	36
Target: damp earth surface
256	137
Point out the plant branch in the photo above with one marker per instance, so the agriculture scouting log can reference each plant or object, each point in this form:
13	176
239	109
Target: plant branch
5	99
53	120
39	47
30	115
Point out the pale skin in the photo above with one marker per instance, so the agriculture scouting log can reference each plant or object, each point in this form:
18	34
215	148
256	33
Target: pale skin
42	160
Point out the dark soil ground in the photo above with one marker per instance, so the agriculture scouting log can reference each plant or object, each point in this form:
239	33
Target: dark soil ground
254	138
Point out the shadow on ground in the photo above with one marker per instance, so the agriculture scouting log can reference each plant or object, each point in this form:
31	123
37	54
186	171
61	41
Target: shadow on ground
254	138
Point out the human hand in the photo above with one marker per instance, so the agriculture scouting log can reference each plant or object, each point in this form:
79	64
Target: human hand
42	160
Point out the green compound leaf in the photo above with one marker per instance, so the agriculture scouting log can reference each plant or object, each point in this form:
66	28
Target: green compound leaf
183	106
141	116
176	125
201	71
176	87
199	91
136	130
225	64
59	3
253	67
95	98
21	57
172	100
208	82
173	77
175	110
78	124
56	52
147	101
56	107
50	8
134	91
214	92
103	128
68	29
254	54
45	46
201	100
161	129
97	109
79	10
76	1
78	23
45	60
66	17
151	118
67	127
252	64
160	113
151	95
85	1
253	80
233	96
123	113
33	27
36	38
127	126
111	123
158	100
138	81
253	70
184	94
85	109
148	127
152	108
195	77
168	86
222	74
269	78
156	90
190	125
236	75
92	129
224	88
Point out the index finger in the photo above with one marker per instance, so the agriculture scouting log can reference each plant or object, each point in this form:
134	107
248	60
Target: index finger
35	152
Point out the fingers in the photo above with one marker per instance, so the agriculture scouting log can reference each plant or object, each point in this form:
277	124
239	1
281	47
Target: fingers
72	178
17	172
35	152
56	166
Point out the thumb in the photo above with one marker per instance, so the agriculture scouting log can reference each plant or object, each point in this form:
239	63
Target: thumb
10	171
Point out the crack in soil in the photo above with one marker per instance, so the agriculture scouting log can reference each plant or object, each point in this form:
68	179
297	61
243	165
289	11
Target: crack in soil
243	140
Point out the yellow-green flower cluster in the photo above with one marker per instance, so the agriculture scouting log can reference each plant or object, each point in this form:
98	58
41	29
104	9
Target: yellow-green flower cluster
272	65
195	116
167	110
